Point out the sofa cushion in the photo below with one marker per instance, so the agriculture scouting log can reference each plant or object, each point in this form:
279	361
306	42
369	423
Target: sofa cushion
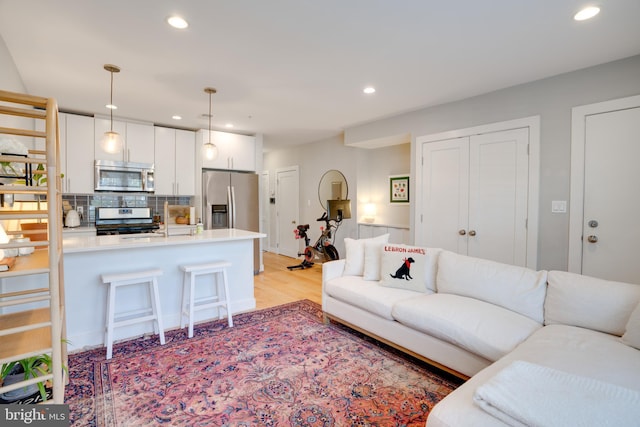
588	302
632	330
515	288
355	254
574	350
369	296
482	328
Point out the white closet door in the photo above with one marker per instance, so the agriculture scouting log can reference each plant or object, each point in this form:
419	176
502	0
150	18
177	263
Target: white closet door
611	176
445	182
498	183
287	212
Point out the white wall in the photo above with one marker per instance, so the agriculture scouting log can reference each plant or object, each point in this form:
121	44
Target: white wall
552	99
11	81
374	168
367	172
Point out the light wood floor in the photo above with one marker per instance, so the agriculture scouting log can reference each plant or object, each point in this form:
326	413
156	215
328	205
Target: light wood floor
277	285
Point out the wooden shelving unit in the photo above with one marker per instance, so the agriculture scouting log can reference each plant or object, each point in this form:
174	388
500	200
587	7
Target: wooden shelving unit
32	313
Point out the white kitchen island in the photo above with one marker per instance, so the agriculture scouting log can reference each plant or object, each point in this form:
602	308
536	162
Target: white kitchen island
86	258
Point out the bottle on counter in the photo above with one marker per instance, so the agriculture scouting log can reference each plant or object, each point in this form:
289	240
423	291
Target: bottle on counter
199	227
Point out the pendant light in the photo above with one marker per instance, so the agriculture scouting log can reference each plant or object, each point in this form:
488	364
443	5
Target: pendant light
209	150
111	140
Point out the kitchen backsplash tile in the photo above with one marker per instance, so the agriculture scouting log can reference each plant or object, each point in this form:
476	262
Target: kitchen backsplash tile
89	202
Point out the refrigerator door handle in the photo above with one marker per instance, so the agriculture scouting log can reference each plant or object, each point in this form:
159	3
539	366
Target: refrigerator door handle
230	203
233	202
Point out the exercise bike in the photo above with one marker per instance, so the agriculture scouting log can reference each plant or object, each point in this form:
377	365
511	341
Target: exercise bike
323	249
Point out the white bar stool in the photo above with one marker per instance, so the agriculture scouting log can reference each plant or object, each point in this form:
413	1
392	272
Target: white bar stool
147	277
220	300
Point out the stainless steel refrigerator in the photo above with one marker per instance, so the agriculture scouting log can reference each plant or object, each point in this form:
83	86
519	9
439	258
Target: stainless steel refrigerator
230	200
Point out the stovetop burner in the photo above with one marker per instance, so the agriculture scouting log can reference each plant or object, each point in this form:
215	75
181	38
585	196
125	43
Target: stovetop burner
124	221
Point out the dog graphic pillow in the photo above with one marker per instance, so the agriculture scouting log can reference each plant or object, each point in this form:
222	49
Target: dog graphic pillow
403	267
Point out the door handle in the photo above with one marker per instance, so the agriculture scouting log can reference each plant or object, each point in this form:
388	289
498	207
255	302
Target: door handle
472	233
592	239
593	223
462	232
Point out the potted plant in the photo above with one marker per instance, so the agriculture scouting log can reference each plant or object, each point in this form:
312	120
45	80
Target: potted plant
24	369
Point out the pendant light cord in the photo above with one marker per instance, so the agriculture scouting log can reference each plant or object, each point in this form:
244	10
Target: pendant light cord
111	102
209	117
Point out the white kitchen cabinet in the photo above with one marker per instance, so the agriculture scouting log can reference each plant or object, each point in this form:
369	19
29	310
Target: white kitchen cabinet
76	155
175	162
397	234
235	152
40	144
138	141
185	162
79	154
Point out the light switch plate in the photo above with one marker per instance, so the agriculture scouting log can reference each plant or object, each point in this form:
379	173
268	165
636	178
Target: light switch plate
559	206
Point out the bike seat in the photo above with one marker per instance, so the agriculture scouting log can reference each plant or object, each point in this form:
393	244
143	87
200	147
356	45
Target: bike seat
304	227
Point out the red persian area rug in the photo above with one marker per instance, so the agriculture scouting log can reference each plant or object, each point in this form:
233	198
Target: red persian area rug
276	367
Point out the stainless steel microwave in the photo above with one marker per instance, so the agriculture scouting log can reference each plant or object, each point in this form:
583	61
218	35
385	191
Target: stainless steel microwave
124	176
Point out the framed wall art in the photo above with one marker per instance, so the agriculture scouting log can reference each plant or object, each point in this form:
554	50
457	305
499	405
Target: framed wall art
399	189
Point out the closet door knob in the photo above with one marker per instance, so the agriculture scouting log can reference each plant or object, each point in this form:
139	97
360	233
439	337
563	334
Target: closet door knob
472	233
462	232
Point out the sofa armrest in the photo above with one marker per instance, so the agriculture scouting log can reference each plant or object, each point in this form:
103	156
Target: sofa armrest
332	270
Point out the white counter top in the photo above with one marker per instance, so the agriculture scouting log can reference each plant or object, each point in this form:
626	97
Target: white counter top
73	244
74	230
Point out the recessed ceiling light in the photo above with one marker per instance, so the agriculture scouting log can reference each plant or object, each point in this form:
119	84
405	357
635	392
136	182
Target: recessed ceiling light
586	13
111	106
177	22
176	117
229	125
369	90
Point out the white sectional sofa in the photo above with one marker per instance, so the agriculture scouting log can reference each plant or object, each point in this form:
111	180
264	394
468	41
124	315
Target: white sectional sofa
536	344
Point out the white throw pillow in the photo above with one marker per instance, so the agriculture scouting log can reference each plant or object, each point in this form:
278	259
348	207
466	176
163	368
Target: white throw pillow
372	259
354	260
632	334
403	267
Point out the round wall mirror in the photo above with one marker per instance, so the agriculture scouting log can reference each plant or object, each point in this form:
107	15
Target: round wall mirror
333	186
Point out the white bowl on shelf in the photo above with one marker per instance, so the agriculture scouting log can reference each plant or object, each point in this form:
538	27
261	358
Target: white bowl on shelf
26	250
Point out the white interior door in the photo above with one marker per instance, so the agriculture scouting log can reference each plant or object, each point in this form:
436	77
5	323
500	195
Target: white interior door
445	183
611	204
498	182
264	210
287	210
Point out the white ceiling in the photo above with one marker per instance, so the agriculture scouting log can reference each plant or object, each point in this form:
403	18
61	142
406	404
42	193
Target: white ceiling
294	70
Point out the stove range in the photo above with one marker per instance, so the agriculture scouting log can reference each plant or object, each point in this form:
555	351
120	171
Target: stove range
124	221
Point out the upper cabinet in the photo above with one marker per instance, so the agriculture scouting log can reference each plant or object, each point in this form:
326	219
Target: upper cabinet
235	152
138	141
76	152
175	161
79	155
185	162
